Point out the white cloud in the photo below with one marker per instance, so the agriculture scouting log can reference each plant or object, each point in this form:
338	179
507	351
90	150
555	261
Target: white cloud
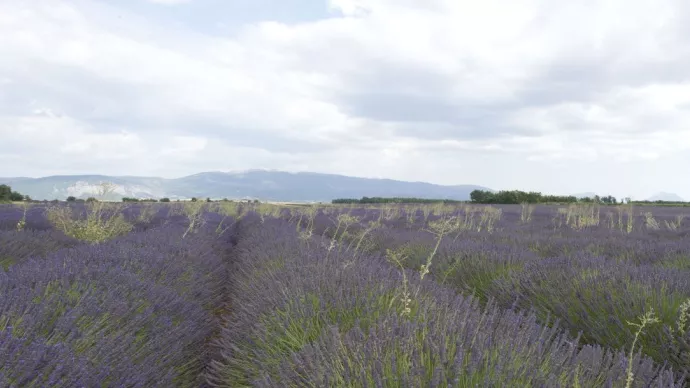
504	94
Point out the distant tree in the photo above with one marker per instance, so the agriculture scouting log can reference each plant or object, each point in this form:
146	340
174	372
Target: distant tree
91	199
481	196
380	200
71	198
165	200
16	197
609	200
208	200
27	198
5	193
508	197
194	199
517	196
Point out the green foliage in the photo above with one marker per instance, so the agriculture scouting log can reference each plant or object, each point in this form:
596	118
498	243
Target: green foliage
129	199
514	197
397	257
439	228
6	262
7	195
482	196
101	223
649	318
381	200
16	197
609	200
5	192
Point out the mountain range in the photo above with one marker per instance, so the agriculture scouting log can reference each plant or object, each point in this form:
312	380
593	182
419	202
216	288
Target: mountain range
668	197
253	184
267	185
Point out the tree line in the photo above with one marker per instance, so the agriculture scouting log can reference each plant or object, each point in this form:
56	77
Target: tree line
504	197
508	197
8	195
380	200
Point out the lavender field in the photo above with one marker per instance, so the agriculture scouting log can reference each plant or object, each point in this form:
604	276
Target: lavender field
254	295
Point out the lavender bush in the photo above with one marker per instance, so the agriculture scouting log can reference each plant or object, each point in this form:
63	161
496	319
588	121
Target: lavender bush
16	246
135	311
32	216
305	316
595	279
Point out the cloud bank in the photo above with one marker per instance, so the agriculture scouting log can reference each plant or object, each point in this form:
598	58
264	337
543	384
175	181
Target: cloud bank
528	94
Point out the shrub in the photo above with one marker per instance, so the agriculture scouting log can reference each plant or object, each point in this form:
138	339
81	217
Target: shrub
101	222
7	195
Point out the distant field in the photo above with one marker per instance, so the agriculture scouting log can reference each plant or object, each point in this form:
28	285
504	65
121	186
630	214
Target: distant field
289	294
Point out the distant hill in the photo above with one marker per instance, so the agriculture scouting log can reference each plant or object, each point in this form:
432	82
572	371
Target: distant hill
252	184
668	197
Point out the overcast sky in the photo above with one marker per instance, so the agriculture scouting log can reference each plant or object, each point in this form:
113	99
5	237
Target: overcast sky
554	96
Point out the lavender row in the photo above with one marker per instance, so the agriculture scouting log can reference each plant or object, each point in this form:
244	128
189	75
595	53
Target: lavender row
304	315
16	246
33	217
595	281
136	311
